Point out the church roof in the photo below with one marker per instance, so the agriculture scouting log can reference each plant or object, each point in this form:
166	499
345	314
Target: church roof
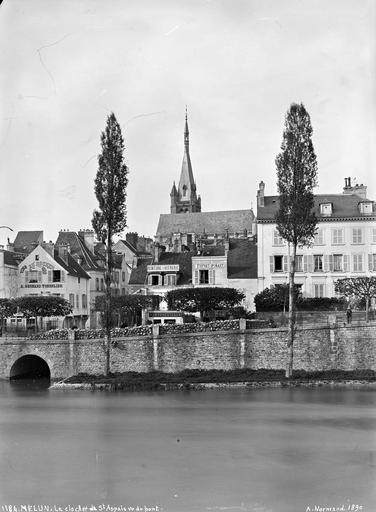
233	221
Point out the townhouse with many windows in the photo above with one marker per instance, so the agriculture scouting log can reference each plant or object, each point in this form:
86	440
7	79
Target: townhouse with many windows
344	245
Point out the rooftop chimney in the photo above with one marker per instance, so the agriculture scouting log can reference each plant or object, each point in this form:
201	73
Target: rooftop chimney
49	247
158	249
63	250
260	195
359	190
87	235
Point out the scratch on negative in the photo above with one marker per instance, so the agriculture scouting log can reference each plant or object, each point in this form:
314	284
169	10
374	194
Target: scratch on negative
144	115
42	61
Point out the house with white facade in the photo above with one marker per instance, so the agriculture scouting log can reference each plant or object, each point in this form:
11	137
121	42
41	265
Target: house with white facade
50	270
344	245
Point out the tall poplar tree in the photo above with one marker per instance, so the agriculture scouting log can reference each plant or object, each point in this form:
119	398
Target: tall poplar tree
110	219
296	221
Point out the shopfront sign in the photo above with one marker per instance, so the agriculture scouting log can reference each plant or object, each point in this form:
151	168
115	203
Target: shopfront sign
163	268
40	285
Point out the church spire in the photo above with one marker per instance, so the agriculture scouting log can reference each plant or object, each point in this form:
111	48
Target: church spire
186	131
186	198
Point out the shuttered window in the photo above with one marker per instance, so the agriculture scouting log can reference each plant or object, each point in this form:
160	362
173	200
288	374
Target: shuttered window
357	262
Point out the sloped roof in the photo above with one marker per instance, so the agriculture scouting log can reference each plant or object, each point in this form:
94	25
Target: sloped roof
183	259
71	266
79	248
26	241
13	259
242	259
130	246
344	206
213	250
233	221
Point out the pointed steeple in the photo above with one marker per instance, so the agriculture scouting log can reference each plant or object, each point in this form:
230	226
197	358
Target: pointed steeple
186	197
186	131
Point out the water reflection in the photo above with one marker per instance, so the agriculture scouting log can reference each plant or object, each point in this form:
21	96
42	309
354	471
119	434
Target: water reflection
277	450
25	386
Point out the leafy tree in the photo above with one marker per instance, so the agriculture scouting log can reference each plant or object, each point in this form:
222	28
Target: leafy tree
363	288
127	306
275	298
7	309
204	300
110	190
297	176
42	306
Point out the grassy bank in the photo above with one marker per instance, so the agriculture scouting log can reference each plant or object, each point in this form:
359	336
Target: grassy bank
159	380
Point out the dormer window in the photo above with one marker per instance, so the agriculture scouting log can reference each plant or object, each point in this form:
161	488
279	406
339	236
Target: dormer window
184	190
366	208
326	208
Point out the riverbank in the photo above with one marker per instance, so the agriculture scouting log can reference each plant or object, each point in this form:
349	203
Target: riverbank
217	379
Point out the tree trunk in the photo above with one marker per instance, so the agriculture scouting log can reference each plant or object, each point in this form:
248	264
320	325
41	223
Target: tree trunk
108	303
292	317
367	309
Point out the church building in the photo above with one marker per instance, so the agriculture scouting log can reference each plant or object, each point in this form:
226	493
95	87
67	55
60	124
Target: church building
186	227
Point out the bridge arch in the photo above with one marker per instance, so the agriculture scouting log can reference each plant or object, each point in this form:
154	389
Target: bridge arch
29	366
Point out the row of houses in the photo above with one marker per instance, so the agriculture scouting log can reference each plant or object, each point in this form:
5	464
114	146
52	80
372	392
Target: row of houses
192	248
73	267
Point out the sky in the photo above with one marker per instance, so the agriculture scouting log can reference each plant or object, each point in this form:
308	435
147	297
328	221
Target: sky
236	64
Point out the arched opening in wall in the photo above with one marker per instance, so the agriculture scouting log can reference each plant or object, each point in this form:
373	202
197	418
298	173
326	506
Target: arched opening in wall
30	368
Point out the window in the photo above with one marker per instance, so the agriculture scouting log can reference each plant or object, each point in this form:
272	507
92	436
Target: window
326	208
357	236
365	208
71	299
170	280
123	276
278	264
102	284
84	301
299	263
77	301
337	236
97	284
33	276
318	290
358	262
372	262
374	235
56	276
155	280
37	257
277	239
203	276
337	262
318	263
319	237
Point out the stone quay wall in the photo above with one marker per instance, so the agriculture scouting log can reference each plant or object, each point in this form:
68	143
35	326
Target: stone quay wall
315	349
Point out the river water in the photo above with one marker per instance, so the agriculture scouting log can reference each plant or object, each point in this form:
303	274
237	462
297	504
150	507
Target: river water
261	450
